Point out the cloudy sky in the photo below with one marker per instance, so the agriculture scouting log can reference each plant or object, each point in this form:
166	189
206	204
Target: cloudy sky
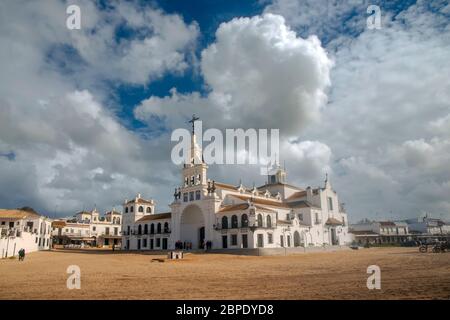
86	115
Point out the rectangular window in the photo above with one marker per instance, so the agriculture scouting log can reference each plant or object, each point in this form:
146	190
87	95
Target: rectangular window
158	242
185	197
330	203
260	240
197	195
191	196
116	231
234	239
270	238
288	241
282	241
244	241
300	216
317	218
107	230
145	243
94	228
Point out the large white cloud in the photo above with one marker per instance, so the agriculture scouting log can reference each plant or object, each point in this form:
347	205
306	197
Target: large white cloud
61	148
387	120
259	73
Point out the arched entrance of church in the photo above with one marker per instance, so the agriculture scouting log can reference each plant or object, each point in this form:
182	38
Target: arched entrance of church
299	240
192	226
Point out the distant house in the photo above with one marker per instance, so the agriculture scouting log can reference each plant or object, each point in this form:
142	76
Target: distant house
88	228
379	232
428	226
23	229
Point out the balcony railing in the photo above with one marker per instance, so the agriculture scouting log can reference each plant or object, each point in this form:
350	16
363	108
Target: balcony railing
10	232
245	227
134	232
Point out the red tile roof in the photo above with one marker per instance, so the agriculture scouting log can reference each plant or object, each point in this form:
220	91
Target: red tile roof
333	222
17	214
149	217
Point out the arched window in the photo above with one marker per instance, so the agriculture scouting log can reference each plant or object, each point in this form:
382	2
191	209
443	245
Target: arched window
269	222
146	229
260	220
126	209
149	210
234	221
140	229
166	227
158	230
224	222
141	209
118	220
152	229
131	209
244	221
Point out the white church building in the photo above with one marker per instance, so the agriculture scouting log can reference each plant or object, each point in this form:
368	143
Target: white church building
23	229
274	215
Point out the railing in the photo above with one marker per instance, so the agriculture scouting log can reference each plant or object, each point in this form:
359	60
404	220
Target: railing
245	227
10	232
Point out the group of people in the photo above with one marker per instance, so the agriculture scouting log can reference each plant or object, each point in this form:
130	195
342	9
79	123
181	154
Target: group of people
179	245
207	245
22	254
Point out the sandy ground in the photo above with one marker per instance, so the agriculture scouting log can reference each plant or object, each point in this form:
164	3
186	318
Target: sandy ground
405	274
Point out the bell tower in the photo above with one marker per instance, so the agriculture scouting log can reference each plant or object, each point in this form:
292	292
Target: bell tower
194	172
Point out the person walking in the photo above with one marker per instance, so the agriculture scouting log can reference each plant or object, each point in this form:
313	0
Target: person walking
21	254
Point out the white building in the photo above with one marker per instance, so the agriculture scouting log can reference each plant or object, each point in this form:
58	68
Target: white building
428	226
23	229
273	215
377	232
88	228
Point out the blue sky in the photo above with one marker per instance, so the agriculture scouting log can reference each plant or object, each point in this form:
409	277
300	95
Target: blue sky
87	114
208	15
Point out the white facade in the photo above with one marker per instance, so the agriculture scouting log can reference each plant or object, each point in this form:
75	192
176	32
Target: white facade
274	215
90	229
428	226
21	229
378	232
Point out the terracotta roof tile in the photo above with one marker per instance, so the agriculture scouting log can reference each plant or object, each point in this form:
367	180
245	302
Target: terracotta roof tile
140	200
17	214
333	222
157	216
268	202
225	185
295	195
234	207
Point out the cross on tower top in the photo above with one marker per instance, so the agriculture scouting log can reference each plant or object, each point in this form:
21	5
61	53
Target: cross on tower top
194	118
